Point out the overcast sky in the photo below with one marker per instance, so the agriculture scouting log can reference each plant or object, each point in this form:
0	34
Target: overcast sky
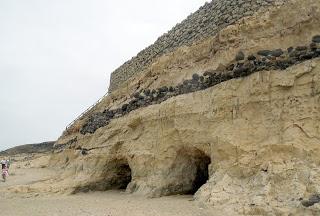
56	57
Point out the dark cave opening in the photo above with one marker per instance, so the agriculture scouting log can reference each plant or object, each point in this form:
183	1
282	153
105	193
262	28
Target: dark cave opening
189	171
202	172
118	174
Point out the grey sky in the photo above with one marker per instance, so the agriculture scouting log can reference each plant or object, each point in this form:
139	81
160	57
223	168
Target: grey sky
56	57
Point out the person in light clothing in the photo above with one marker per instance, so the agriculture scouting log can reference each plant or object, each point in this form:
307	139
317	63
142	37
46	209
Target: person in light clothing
5	172
3	164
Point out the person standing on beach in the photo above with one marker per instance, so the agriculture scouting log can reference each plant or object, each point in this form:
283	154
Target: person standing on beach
8	163
4	167
3	164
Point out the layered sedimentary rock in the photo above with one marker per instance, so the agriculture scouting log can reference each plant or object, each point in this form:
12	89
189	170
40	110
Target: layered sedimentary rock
248	144
264	60
206	22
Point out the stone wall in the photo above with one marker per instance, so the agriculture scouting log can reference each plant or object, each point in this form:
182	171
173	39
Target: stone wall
205	22
263	60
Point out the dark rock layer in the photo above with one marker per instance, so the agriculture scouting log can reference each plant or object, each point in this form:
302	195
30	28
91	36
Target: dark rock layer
262	60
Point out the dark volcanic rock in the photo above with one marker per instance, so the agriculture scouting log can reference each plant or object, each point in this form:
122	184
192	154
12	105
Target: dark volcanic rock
84	151
316	39
313	46
264	52
311	201
301	48
290	49
195	77
136	95
96	121
251	58
240	56
277	53
124	107
147	92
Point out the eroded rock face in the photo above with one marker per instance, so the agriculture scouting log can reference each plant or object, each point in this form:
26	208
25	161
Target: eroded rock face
260	135
248	145
115	174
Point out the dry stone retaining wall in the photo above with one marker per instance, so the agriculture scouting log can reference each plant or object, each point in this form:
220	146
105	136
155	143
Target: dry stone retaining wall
205	22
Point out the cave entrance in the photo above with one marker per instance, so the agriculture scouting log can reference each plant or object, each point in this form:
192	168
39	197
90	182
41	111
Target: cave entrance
202	162
190	171
118	174
115	175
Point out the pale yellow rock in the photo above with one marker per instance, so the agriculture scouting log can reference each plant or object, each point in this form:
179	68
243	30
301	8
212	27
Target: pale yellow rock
263	140
260	134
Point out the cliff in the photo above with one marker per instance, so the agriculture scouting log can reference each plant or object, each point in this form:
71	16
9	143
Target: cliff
232	118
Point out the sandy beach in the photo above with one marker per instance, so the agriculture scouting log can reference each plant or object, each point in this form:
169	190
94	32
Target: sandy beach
109	203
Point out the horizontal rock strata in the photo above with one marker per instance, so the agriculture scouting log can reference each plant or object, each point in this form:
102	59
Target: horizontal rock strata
262	60
205	22
258	162
233	119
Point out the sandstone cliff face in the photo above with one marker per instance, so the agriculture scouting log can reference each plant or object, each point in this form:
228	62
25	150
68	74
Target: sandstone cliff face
248	145
257	159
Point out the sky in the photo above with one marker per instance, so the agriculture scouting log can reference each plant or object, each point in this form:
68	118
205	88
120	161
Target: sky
56	57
